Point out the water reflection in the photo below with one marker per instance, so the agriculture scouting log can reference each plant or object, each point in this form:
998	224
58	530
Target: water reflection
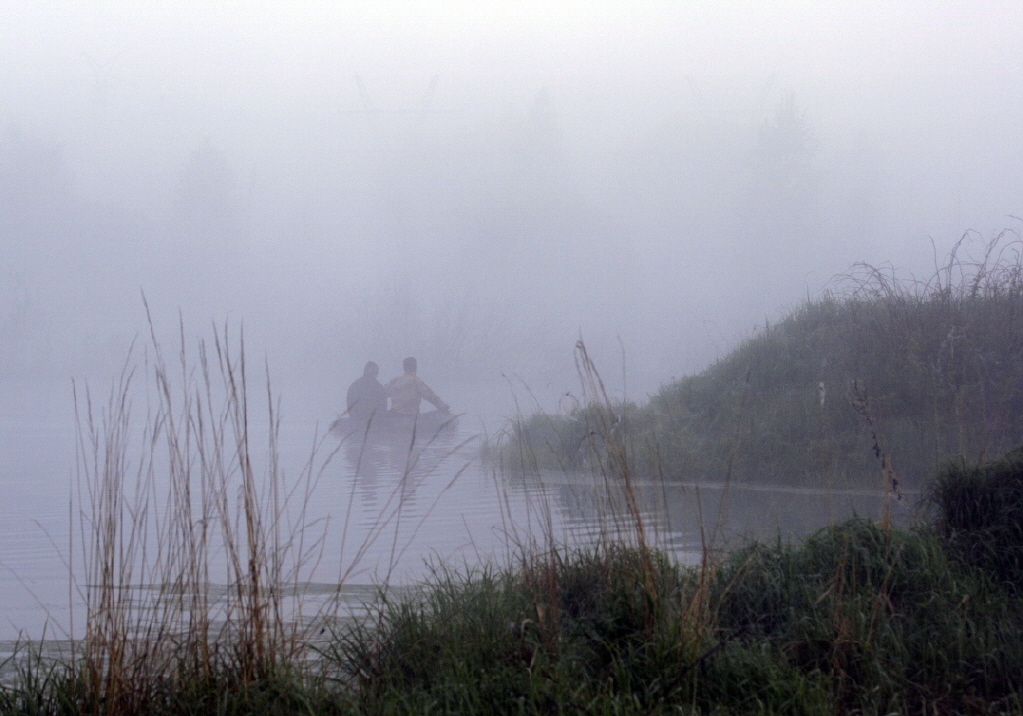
688	518
379	463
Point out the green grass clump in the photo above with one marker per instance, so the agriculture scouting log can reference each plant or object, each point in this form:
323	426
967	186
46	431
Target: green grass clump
41	688
980	515
890	622
576	632
856	619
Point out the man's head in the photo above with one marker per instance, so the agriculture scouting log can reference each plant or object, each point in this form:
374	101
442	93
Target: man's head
409	365
372	370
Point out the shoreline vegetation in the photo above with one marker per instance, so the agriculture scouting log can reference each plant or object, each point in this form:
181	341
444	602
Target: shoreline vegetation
859	617
881	368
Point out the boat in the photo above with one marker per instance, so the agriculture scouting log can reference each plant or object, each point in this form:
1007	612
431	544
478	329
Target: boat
396	428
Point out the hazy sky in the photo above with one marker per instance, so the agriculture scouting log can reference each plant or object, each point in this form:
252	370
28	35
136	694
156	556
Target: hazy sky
482	183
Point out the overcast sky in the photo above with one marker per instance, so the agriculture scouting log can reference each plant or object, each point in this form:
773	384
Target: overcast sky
480	184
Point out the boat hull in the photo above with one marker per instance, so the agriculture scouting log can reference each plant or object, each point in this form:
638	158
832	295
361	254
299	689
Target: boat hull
392	427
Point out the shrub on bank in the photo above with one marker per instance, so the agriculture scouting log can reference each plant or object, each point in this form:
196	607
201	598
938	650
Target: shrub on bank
563	631
980	515
890	622
856	619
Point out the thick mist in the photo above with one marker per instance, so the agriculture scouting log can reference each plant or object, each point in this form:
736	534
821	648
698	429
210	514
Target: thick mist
481	186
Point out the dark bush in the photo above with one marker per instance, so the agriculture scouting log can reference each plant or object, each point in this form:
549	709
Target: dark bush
980	515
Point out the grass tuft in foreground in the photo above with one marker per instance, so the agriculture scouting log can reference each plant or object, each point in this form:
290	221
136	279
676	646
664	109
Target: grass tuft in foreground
857	619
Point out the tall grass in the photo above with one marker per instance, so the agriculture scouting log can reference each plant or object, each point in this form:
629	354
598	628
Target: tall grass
191	539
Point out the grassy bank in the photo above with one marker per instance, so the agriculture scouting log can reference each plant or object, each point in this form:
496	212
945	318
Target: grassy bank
859	617
855	620
880	366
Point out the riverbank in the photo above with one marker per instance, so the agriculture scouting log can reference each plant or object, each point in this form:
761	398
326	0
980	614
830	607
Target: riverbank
885	371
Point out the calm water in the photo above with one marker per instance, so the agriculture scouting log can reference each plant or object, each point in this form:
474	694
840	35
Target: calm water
379	514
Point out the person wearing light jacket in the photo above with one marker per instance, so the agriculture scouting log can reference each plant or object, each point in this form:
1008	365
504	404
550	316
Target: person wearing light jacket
407	391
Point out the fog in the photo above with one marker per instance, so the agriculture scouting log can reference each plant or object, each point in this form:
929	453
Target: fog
481	184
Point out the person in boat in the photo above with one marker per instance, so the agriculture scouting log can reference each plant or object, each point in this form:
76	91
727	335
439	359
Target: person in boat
408	390
367	398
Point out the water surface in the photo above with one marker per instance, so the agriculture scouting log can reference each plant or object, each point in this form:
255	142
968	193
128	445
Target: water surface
376	514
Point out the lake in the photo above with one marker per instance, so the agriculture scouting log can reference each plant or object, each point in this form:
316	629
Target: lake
370	515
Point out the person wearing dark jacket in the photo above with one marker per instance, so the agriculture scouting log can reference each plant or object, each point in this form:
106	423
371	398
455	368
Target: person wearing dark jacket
367	398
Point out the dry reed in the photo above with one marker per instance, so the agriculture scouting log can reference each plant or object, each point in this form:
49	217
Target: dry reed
189	541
